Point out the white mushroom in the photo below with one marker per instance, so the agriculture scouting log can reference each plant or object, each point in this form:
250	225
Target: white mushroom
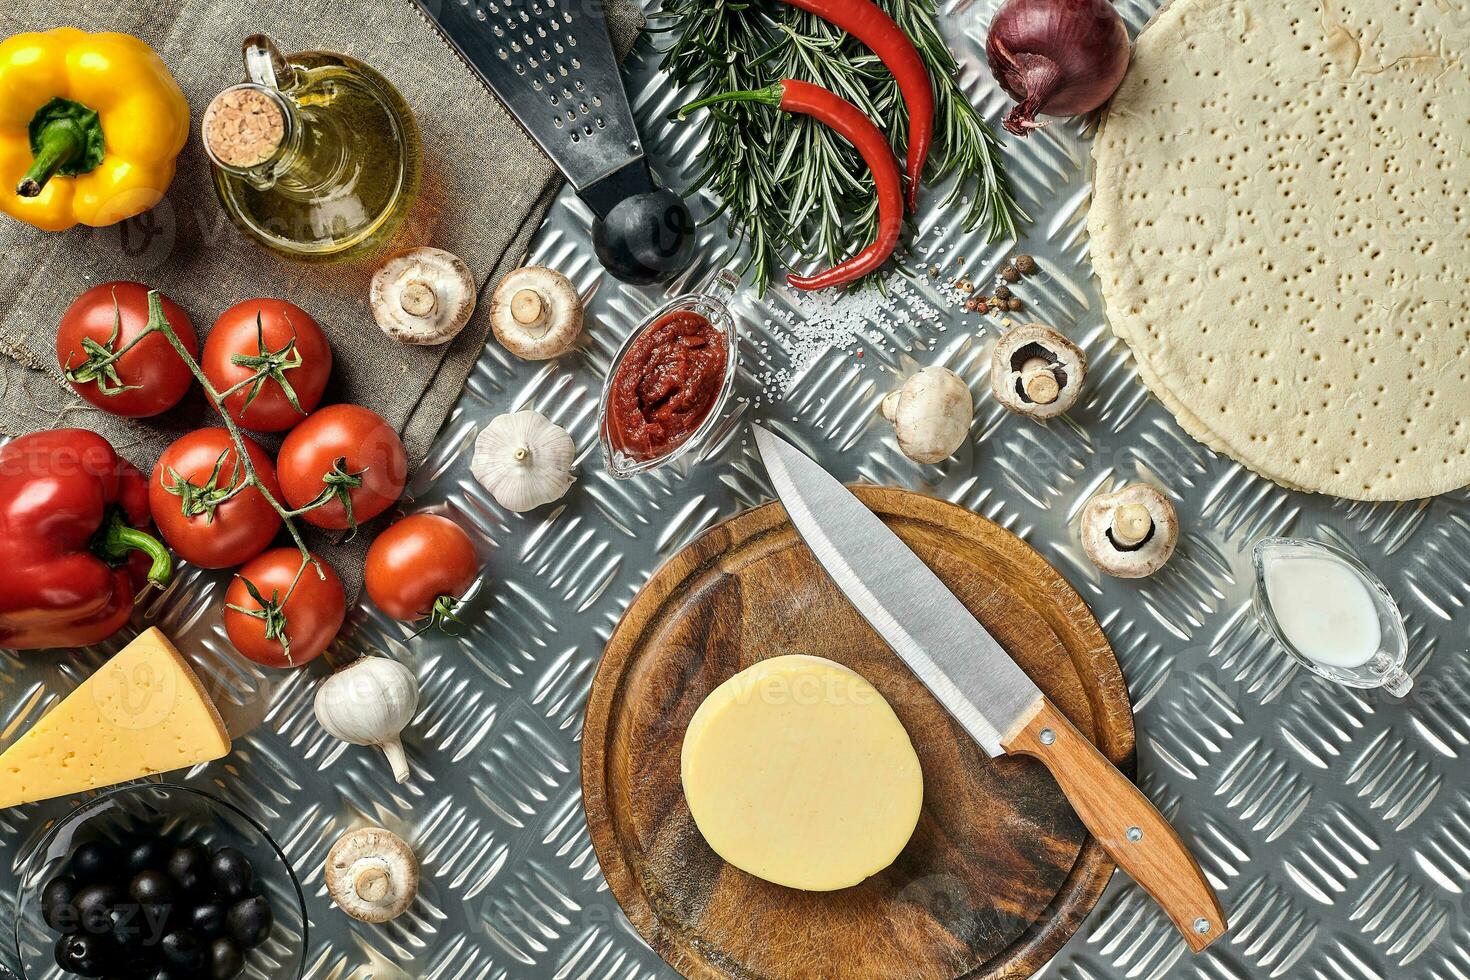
372	874
1131	532
1036	371
423	296
524	460
931	414
536	313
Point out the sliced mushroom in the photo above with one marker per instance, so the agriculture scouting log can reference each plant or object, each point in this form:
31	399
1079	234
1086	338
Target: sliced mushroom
1036	371
931	414
372	874
423	296
1131	532
536	313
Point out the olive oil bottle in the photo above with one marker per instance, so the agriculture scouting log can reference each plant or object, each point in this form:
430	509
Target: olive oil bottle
316	156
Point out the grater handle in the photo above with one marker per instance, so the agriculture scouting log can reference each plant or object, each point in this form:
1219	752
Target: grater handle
642	234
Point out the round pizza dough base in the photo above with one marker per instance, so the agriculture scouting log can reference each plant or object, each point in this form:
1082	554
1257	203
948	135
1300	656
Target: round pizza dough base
1281	193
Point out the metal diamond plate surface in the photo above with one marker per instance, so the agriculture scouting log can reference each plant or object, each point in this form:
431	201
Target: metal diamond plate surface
1336	824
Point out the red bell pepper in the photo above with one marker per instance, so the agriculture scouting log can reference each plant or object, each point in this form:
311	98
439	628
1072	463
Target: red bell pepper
72	555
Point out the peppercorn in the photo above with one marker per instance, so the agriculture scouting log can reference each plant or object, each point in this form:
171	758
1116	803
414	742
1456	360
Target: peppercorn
1003	292
1026	265
1010	274
1014	305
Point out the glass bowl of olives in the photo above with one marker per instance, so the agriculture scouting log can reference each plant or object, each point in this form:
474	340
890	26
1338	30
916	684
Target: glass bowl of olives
157	881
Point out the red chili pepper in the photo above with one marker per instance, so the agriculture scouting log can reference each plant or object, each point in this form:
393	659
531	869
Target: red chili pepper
791	95
71	552
870	25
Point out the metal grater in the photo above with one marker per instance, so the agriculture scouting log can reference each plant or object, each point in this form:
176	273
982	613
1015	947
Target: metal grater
551	62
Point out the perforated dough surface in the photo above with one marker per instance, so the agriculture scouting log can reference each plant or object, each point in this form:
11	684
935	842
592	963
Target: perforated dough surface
1281	227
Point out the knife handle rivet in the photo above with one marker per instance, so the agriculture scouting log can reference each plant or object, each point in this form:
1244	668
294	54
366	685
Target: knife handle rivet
1135	835
1048	736
1201	925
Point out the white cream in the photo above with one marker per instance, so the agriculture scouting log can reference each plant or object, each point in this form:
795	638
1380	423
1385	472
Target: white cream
1325	610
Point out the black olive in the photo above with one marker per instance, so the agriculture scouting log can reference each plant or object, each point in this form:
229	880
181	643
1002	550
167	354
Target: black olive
151	888
82	955
183	949
127	926
156	921
249	922
208	920
58	905
93	904
188	866
92	862
146	968
148	855
232	874
225	960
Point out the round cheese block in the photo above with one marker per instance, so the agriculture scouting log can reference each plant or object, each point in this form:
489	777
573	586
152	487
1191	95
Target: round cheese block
797	771
1280	198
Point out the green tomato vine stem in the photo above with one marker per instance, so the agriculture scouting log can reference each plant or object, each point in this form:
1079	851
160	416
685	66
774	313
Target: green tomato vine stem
272	612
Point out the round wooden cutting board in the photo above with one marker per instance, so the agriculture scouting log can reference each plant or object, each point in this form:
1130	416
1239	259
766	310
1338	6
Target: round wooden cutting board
999	872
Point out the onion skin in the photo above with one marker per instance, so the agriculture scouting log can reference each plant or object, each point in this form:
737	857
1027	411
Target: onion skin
1056	57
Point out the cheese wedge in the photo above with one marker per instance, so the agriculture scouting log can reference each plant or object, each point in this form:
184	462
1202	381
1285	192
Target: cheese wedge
797	771
143	712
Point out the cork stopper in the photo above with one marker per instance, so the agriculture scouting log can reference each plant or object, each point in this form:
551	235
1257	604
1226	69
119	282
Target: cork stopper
243	127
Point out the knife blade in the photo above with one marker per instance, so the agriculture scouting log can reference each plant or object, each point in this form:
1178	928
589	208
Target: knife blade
978	683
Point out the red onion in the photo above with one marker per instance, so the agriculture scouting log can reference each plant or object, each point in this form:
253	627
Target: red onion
1058	57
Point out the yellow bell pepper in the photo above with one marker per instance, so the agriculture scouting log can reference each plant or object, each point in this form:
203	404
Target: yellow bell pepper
90	125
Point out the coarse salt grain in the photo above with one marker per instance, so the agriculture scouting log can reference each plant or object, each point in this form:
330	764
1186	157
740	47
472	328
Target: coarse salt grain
812	324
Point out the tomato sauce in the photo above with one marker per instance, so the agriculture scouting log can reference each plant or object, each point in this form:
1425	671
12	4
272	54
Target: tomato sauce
666	384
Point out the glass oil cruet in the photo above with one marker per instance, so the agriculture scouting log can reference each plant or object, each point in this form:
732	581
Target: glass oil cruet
316	156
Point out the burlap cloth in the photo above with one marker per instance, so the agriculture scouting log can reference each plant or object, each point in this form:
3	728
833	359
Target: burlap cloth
485	190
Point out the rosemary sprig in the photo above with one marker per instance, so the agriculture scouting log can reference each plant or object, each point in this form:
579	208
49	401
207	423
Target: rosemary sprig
790	187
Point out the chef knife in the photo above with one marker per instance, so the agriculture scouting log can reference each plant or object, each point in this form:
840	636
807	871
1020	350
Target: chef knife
980	685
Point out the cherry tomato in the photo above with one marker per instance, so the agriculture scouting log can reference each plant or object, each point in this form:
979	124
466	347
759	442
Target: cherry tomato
419	567
185	493
351	450
306	622
151	377
261	332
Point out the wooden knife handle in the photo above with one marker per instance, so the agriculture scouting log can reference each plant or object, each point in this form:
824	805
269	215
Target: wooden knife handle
1124	822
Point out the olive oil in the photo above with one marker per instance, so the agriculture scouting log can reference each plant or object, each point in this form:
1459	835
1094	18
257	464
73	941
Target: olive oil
317	156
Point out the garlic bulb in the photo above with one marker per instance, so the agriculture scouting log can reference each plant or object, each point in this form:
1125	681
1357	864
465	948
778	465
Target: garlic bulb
370	702
524	460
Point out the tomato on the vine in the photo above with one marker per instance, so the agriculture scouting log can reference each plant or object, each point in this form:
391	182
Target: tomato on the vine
280	347
275	626
150	378
199	504
346	456
421	566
